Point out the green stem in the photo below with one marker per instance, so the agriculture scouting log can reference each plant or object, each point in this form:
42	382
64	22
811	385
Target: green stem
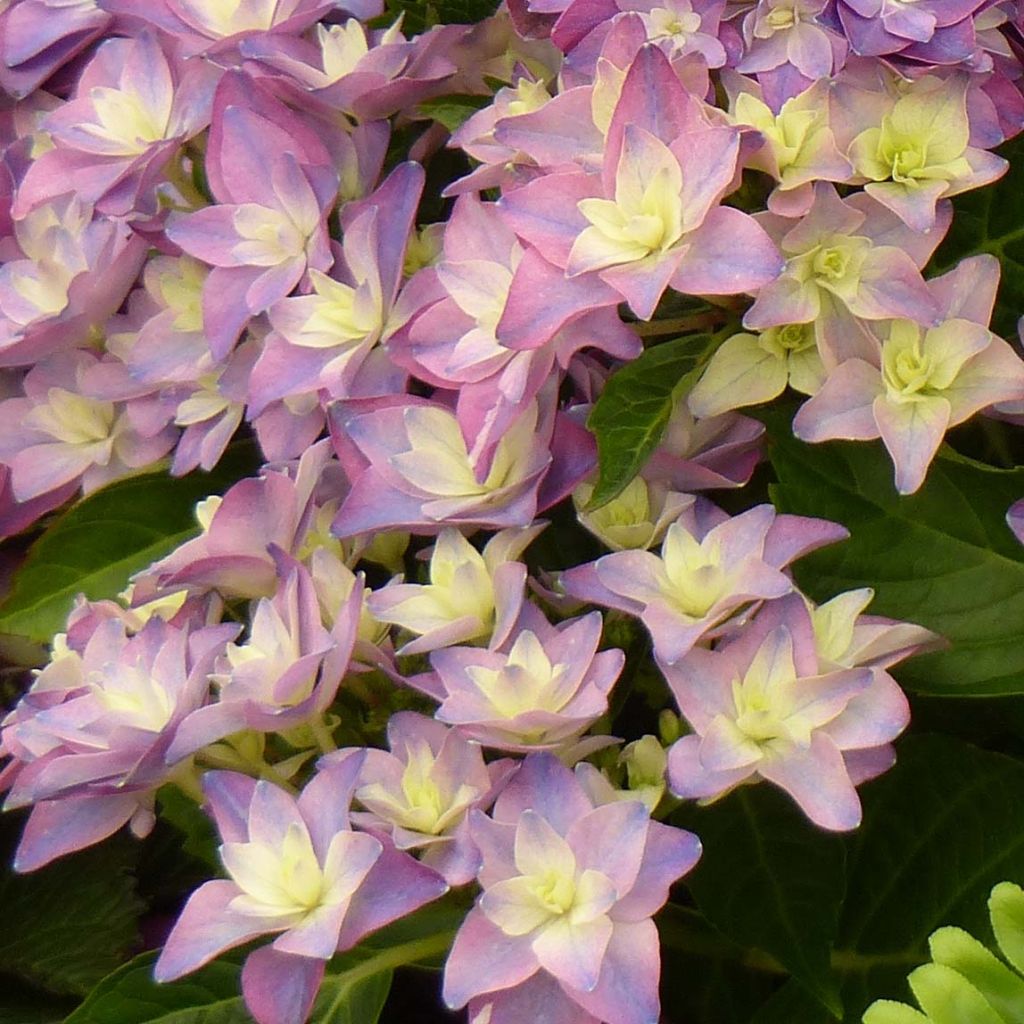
186	778
679	325
183	183
849	960
686	931
323	736
386	960
250	766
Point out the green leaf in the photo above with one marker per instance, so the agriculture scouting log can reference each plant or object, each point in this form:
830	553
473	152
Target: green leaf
453	111
131	996
940	830
21	1004
199	837
943	557
991	219
771	880
422	14
792	1004
352	1000
705	977
353	991
633	411
95	546
68	924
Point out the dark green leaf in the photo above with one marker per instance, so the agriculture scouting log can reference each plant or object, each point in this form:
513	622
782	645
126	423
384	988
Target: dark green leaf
940	829
355	1001
704	976
943	558
991	219
67	925
453	111
353	991
463	12
771	880
95	546
630	417
196	829
21	1004
792	1004
130	996
421	14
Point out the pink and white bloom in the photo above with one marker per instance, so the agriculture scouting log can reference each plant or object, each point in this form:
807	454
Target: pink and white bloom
330	339
920	153
420	794
507	321
678	27
847	259
232	553
925	380
847	638
274	189
299	872
788	45
652	218
411	469
65	270
286	673
763	706
710	567
133	107
213	27
90	739
368	74
541	690
564	921
58	434
799	147
471	596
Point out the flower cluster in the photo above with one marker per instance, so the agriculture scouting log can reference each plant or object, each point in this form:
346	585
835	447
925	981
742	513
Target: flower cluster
212	220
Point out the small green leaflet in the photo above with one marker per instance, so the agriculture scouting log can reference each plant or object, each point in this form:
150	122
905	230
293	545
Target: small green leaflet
630	417
97	544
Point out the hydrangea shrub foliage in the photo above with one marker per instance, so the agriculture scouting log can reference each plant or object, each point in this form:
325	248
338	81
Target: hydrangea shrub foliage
512	515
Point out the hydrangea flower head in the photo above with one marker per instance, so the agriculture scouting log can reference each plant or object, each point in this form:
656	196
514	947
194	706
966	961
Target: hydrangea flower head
568	892
299	872
762	705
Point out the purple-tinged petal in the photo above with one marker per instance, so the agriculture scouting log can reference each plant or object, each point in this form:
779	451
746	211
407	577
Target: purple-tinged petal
228	796
816	778
627	988
280	988
842	408
483	959
688	778
206	926
912	433
668	855
59	827
729	253
396	885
